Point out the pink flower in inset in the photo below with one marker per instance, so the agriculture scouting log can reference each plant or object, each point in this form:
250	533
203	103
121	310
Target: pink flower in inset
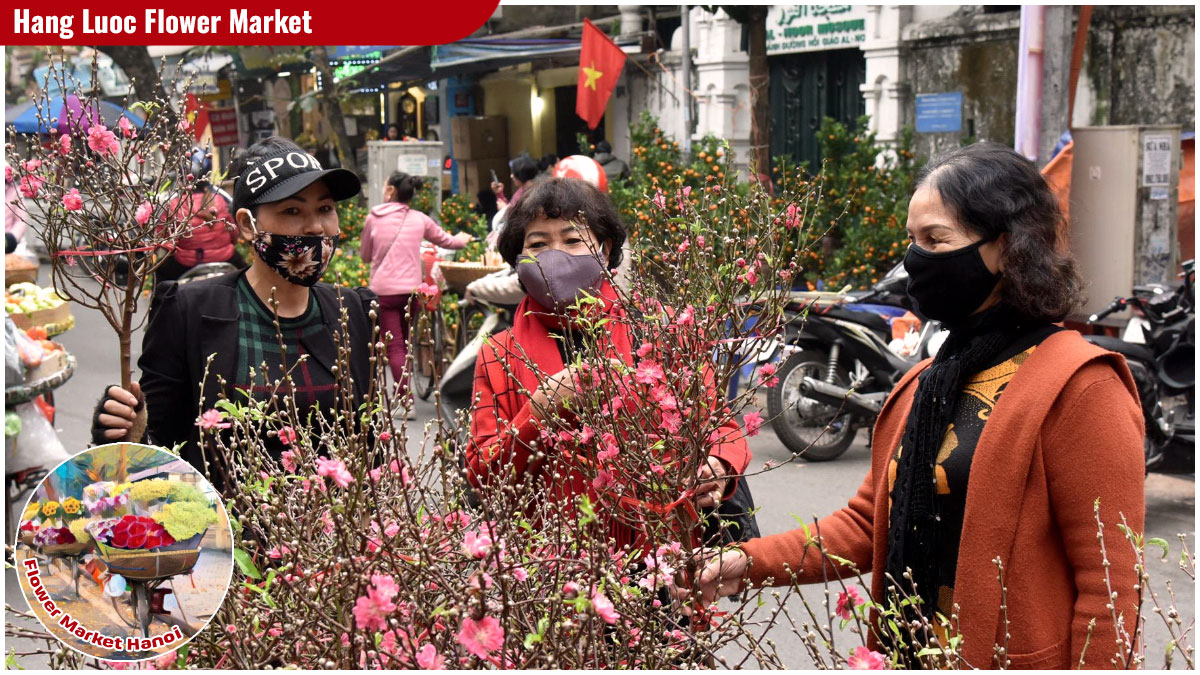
865	659
611	448
33	165
427	290
335	469
671	421
520	573
142	215
72	201
30	186
660	200
103	141
644	350
482	637
648	372
846	602
687	317
476	545
752	421
428	658
127	129
384	585
287	435
288	459
211	419
604	607
603	480
278	552
64	144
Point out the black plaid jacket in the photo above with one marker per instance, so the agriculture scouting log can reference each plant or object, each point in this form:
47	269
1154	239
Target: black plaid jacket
201	318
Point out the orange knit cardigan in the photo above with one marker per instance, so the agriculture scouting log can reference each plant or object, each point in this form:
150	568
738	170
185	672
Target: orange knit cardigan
1067	431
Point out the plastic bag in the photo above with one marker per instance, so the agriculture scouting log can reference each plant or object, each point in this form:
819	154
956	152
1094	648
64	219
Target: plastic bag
30	350
37	443
14	370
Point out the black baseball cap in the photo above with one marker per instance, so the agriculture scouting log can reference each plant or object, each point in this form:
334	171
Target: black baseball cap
286	172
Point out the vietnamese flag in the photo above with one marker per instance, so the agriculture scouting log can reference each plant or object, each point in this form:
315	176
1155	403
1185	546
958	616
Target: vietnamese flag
600	64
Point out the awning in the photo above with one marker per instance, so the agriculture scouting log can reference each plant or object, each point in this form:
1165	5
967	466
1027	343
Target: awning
498	51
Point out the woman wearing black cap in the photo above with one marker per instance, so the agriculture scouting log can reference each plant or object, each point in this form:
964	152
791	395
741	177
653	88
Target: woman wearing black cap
284	204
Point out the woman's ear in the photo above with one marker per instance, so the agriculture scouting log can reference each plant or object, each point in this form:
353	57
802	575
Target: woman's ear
606	250
244	222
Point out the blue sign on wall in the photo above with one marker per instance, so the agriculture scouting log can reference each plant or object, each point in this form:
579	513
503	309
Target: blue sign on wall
939	113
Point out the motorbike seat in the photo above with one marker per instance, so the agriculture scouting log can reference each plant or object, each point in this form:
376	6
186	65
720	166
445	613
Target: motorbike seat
871	320
1129	349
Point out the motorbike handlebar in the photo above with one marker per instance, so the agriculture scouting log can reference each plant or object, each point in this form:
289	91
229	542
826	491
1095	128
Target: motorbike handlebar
1116	305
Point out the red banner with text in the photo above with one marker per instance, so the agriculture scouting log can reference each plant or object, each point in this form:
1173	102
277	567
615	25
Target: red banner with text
248	22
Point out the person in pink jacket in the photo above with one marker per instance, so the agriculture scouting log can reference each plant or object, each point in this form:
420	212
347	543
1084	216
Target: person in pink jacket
391	244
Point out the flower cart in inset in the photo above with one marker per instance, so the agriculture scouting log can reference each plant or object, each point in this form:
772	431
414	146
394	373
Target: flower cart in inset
145	571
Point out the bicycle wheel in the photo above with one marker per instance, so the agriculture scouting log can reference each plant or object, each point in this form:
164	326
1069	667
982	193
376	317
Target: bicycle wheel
423	372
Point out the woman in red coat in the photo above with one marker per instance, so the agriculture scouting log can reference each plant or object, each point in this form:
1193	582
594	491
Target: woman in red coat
999	448
211	236
513	402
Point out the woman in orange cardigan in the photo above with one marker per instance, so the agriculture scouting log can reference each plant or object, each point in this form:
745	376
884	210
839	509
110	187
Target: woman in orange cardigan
552	237
998	448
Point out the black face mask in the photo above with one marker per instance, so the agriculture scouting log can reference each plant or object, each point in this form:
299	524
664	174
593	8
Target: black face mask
949	286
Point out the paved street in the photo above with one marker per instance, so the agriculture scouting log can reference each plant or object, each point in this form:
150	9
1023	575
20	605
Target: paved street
794	489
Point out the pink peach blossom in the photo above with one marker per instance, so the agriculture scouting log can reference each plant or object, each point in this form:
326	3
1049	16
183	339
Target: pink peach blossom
428	658
335	469
102	141
752	421
142	215
72	201
865	659
648	372
64	144
481	637
846	602
211	419
288	459
126	128
477	545
287	435
604	607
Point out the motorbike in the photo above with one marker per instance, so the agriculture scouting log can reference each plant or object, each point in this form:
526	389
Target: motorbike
458	382
1159	345
839	367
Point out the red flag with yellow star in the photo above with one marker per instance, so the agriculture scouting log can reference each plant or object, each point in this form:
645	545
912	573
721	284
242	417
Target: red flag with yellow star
600	64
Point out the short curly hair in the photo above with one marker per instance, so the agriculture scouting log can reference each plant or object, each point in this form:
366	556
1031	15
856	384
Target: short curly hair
570	199
992	190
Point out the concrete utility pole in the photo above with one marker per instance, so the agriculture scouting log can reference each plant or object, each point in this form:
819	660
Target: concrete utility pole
1030	51
685	75
1056	78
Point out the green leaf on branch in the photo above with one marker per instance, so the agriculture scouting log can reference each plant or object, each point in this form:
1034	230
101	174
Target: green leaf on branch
1161	543
246	564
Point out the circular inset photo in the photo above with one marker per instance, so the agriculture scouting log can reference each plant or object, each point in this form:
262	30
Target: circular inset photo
124	552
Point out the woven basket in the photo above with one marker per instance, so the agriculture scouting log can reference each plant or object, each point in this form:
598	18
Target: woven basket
75	548
27	538
147	565
459	274
27	392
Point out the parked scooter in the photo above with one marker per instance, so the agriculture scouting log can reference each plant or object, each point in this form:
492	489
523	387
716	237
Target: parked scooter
1160	347
839	368
458	382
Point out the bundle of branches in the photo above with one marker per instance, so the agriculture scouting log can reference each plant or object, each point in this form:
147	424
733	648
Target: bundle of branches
102	198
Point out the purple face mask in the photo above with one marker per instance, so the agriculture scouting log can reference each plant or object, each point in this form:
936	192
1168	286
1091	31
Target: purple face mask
555	279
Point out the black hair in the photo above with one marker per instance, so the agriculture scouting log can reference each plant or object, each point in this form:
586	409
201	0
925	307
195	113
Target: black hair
393	125
569	199
524	168
486	198
993	190
251	155
548	162
603	146
406	186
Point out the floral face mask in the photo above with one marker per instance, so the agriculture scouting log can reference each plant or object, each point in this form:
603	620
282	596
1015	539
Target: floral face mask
299	258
